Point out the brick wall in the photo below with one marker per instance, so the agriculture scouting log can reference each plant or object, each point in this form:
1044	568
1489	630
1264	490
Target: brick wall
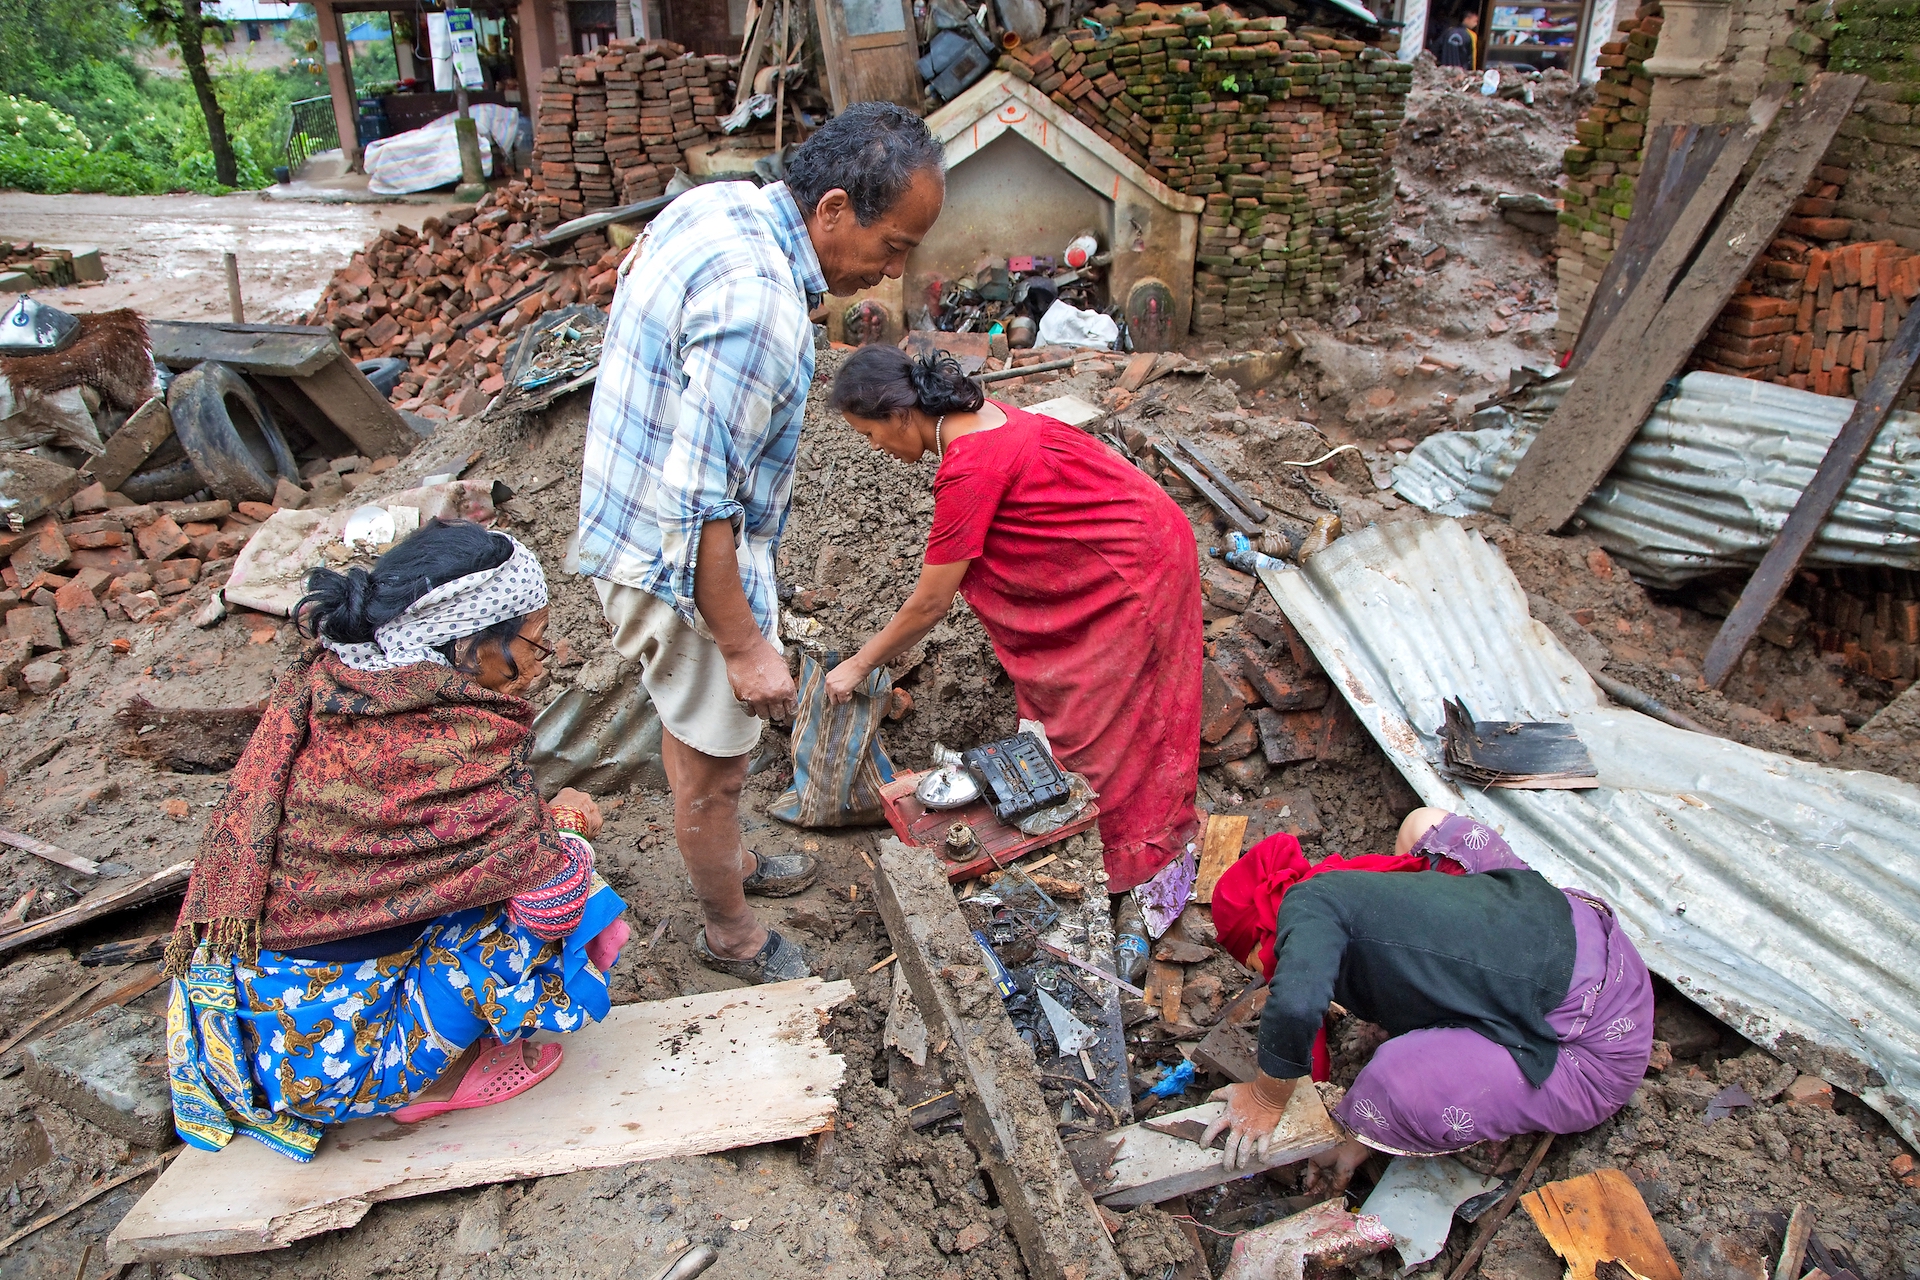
1287	135
615	123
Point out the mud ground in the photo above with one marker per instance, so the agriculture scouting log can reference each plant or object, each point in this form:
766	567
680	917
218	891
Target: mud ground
162	253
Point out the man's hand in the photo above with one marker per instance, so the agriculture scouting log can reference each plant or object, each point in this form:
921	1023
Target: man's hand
1253	1113
845	678
1331	1171
761	681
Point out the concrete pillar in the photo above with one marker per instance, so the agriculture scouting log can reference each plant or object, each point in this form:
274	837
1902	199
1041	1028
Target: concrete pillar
623	20
539	47
333	55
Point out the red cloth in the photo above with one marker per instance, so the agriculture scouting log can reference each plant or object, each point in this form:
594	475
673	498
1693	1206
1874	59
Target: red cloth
1246	899
1087	579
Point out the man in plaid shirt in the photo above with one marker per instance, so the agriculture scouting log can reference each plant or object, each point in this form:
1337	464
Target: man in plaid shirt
689	470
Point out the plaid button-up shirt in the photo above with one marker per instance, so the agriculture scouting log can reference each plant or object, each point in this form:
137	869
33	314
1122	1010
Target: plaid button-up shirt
703	384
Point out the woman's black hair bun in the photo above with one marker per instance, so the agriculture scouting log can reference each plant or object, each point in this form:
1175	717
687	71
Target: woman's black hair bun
942	386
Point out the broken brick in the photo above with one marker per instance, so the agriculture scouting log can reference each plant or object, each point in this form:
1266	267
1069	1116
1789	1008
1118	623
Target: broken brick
45	548
37	625
15	653
82	623
1220	704
1809	1091
258	512
43	677
1247	773
175	808
1240	741
1600	564
1282	690
161	539
1225	588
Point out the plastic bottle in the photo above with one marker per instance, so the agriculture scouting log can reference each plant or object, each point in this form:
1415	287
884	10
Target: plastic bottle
1130	940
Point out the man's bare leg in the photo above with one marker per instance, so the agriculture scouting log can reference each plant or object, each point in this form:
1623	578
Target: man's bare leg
706	824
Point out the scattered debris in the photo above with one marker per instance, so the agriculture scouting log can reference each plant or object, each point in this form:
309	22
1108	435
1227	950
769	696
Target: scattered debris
1597	1219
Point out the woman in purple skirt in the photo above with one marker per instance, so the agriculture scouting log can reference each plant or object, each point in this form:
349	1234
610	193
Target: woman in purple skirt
1514	1006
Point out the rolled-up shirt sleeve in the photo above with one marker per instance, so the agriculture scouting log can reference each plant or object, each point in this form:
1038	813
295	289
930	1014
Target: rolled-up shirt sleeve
740	353
1308	951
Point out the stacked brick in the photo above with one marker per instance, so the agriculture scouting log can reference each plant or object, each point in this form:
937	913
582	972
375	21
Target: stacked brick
615	123
1287	136
426	296
1868	615
1818	309
1602	167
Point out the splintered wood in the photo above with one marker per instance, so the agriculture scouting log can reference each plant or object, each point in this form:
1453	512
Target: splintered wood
1219	849
699	1074
1600	1218
1160	1158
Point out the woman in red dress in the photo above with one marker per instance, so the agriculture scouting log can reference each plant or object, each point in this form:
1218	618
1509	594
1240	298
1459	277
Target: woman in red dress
1087	579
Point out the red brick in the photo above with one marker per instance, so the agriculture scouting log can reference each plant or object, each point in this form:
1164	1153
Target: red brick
1236	744
82	624
1742	327
45	548
161	539
36	625
1220	703
1284	690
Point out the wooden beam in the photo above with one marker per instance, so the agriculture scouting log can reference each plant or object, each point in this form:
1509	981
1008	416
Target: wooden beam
362	414
1144	1164
636	1086
1770	581
95	905
280	350
1052	1216
1646	344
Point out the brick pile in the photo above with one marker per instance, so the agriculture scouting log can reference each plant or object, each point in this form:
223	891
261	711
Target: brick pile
1288	136
1819	308
64	582
1602	167
1265	700
615	123
421	295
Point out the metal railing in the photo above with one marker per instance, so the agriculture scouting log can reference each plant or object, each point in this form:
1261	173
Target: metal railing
312	129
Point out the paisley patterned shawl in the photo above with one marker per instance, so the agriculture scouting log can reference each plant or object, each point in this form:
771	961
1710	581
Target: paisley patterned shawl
367	799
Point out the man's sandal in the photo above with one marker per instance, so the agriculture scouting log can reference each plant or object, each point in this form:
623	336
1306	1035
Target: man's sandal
782	875
499	1073
778	961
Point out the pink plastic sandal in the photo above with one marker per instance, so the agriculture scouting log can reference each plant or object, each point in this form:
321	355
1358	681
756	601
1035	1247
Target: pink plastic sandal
496	1075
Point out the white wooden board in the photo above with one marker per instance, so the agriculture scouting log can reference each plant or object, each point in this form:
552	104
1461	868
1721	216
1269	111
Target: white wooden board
1143	1166
678	1077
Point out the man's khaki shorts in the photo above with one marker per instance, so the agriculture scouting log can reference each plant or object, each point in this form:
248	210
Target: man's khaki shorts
684	672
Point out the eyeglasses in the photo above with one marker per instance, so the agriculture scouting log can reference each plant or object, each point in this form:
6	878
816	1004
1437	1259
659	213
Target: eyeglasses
545	651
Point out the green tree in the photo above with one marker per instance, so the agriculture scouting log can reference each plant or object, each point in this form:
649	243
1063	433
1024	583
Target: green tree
180	22
41	38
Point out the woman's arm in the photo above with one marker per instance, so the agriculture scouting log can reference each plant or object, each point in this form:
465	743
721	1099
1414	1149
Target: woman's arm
931	599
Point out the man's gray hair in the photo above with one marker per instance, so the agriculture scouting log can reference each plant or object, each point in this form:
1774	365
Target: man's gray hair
871	151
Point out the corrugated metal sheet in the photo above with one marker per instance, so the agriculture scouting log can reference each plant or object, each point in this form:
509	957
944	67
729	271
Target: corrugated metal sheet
1783	896
1706	484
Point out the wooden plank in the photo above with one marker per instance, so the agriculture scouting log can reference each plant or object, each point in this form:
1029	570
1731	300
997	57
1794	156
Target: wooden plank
1001	844
288	403
635	1087
133	443
284	350
1164	983
95	905
1816	502
1218	474
1794	1248
1138	1165
1229	1051
1591	426
1006	1118
1221	503
1677	160
127	951
51	852
361	413
1600	1218
1219	849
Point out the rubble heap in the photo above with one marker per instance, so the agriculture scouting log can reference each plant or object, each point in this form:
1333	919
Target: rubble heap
1602	168
1816	312
435	298
1288	136
614	123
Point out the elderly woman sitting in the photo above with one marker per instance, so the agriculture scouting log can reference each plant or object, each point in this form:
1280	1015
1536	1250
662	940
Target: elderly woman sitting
382	907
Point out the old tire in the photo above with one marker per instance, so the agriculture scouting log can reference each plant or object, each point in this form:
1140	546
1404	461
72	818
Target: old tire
229	434
384	373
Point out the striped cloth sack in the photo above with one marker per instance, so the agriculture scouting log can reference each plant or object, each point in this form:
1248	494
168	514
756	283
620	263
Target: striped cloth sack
839	765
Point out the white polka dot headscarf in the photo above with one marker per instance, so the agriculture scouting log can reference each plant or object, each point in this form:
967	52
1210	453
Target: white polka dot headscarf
451	611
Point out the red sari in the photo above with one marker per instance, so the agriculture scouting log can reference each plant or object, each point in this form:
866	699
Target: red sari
1087	579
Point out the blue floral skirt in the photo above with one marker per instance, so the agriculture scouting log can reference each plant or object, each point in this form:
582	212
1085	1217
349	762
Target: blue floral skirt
283	1047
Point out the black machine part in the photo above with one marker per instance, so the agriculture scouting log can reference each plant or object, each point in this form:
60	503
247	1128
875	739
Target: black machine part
1017	776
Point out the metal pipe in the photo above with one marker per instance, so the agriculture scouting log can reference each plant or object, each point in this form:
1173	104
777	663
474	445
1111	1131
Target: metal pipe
1648	705
1021	371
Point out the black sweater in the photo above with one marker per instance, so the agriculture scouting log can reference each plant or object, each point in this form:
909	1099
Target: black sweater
1409	950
